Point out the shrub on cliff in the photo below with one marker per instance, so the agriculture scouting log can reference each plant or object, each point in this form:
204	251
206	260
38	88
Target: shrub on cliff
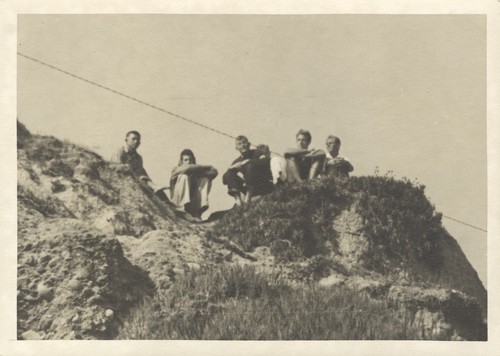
296	220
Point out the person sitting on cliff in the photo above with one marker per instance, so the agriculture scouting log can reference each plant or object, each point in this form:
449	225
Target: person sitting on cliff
334	164
190	185
255	169
303	163
128	155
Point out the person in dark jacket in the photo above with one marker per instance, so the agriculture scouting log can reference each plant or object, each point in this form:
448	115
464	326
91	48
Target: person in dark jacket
250	174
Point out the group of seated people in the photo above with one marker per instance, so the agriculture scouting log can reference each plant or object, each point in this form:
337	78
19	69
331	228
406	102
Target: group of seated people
253	174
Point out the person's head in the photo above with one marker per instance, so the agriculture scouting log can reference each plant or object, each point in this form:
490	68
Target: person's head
187	157
333	145
303	139
242	144
133	140
262	150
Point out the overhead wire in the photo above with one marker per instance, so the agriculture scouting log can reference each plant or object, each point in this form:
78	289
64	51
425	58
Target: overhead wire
464	223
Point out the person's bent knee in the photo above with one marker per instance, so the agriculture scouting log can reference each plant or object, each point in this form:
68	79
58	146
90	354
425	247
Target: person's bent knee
182	177
183	180
229	176
251	166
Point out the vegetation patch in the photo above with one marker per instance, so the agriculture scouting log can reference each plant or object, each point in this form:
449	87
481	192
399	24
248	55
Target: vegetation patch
400	223
237	303
48	206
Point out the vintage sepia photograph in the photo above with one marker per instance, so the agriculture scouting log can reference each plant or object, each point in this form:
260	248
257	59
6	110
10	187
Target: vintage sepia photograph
186	177
278	177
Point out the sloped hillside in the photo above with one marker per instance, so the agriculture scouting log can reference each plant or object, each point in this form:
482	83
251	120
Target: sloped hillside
91	243
364	258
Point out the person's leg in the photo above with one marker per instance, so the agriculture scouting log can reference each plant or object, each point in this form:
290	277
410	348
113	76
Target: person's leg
234	185
278	169
315	169
258	179
293	171
248	196
163	197
182	194
200	198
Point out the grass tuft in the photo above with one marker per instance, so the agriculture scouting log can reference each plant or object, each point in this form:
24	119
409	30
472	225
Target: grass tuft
238	303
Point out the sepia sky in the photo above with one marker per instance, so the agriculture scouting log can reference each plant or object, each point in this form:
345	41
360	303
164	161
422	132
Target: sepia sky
406	93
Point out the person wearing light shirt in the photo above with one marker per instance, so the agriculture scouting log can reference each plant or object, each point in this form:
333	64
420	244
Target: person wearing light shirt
334	164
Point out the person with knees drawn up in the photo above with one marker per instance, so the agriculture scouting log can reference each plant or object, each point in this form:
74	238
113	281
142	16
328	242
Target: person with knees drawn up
249	175
190	184
303	163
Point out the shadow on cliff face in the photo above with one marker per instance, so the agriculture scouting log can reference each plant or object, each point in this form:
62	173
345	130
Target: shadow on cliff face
74	282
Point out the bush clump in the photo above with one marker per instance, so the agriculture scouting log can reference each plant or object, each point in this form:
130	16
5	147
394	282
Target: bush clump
402	224
295	221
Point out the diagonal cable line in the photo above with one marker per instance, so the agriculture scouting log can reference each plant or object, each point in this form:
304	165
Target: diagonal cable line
131	98
464	223
126	96
174	114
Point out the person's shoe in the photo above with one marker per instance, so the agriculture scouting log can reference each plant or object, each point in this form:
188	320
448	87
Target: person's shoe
191	218
187	216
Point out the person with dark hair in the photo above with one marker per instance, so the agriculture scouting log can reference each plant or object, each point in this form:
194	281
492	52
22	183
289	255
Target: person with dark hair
250	174
334	164
190	185
128	155
303	163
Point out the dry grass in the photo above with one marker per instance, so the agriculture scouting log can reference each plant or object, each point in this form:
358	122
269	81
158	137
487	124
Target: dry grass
237	303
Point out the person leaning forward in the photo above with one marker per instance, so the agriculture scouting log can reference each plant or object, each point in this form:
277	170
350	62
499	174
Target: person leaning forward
128	155
254	166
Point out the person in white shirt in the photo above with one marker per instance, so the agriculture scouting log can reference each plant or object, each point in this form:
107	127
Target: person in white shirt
334	164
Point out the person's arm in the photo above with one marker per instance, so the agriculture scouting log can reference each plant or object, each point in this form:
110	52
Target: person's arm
316	154
211	172
260	162
348	166
300	152
119	157
195	169
201	170
138	168
341	164
238	164
296	152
